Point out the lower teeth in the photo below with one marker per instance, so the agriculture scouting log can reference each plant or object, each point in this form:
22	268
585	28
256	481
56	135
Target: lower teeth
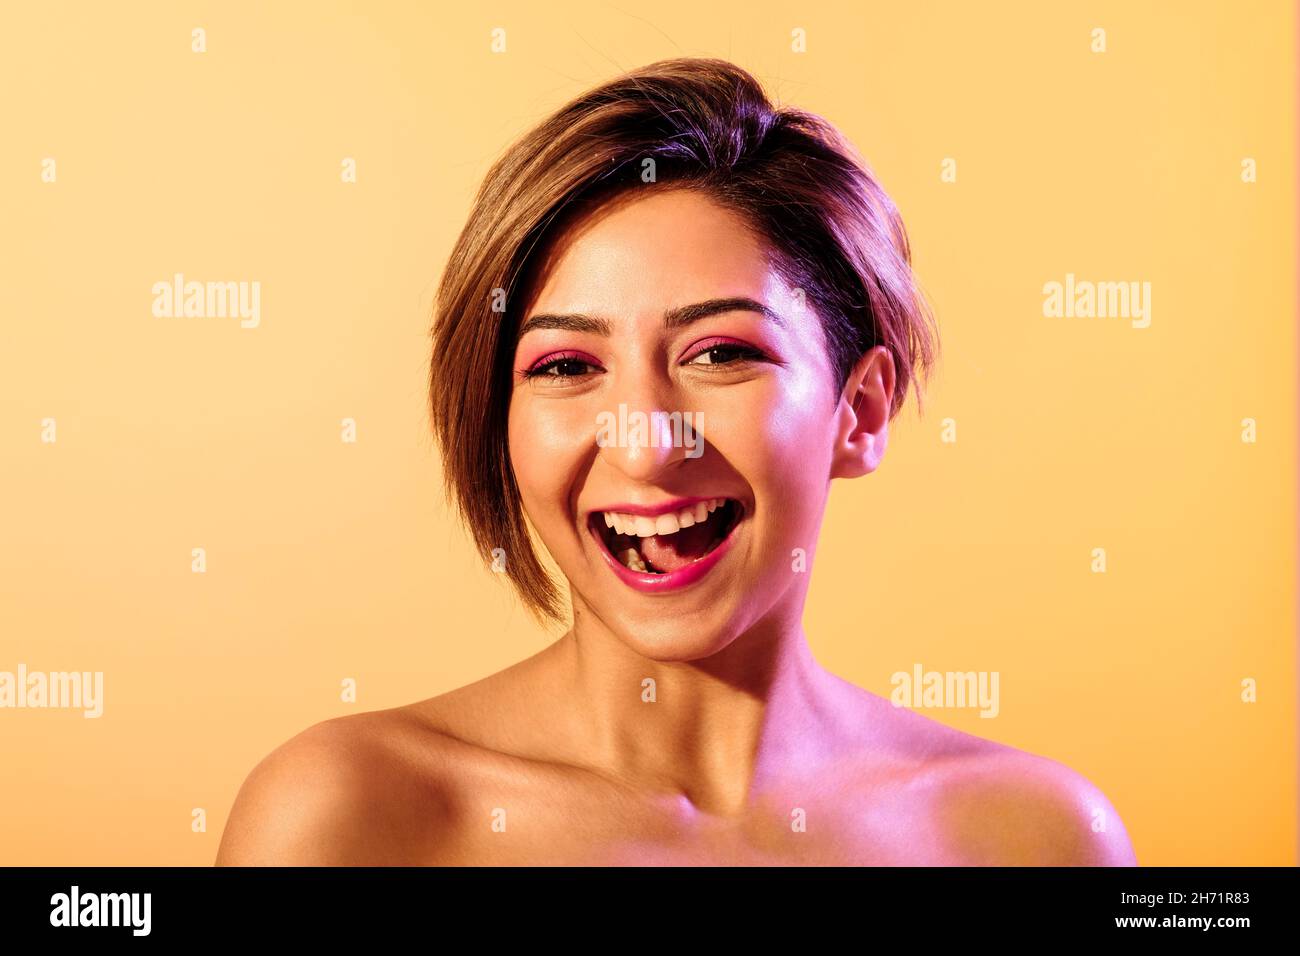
632	558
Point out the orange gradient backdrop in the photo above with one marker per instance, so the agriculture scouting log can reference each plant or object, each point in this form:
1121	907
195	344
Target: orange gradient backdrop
329	560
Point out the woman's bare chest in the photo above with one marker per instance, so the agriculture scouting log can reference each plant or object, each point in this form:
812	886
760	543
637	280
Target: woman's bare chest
559	823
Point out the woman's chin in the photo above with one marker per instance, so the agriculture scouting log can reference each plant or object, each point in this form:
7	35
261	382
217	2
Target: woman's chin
670	642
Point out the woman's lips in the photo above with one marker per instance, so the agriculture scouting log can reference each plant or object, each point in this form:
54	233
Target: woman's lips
649	583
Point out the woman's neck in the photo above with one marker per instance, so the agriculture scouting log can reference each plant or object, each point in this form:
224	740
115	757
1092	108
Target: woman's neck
717	732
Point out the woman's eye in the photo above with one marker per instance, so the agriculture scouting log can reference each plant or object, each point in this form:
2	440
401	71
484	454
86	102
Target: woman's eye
560	368
725	354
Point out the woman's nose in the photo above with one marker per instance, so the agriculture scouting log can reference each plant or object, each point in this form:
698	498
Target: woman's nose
642	440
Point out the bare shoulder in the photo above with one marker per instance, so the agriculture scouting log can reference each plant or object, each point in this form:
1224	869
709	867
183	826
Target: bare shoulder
988	804
360	789
381	787
995	805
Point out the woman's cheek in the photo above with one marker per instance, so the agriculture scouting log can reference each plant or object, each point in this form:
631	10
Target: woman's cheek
781	425
547	438
787	456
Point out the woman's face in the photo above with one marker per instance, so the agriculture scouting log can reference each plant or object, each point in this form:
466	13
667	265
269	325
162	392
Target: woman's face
627	319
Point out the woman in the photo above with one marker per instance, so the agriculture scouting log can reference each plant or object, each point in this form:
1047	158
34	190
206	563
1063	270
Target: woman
675	314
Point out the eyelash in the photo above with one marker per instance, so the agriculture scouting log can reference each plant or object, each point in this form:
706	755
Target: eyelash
744	353
543	367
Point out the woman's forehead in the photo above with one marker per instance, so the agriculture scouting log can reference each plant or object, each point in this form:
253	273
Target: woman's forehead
649	252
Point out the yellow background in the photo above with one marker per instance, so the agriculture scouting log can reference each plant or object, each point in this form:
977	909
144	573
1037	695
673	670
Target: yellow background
329	561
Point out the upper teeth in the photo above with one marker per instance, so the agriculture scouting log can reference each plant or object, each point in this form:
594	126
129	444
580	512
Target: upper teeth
643	526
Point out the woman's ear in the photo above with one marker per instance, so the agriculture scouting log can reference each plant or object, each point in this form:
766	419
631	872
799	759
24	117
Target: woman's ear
863	415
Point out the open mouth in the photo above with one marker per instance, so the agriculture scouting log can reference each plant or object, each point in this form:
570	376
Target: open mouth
665	543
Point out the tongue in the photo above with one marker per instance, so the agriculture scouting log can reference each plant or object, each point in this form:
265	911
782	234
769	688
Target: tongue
668	552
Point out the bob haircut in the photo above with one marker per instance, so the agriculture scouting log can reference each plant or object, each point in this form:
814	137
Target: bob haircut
830	229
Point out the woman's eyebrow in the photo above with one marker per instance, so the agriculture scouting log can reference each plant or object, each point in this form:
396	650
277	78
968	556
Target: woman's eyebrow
686	314
567	323
673	318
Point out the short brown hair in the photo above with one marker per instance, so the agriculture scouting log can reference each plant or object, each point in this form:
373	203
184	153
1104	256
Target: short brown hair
707	124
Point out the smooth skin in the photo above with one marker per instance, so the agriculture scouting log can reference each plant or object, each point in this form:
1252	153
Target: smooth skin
751	753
